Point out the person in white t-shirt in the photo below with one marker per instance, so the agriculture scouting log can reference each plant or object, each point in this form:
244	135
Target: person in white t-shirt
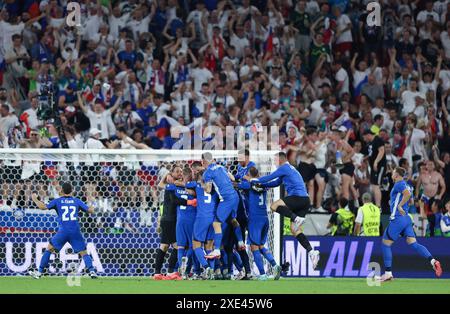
343	34
360	74
445	40
93	141
201	75
117	21
238	39
93	22
180	100
342	79
99	117
408	97
426	14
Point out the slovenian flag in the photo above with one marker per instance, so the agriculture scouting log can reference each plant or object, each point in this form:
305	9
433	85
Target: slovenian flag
268	45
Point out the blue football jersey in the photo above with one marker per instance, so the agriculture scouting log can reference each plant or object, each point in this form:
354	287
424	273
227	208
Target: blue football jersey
290	177
242	171
397	197
206	203
184	212
257	206
218	175
67	208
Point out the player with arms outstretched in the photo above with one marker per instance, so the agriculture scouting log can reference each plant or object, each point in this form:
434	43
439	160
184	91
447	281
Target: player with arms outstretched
67	208
295	205
401	224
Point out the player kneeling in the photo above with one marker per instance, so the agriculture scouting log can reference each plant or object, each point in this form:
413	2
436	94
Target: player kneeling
67	208
258	225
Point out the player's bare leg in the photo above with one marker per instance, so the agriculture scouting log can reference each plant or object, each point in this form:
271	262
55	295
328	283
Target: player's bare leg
314	255
281	208
422	250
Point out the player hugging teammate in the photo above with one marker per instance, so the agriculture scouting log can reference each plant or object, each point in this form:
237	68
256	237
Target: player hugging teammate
213	210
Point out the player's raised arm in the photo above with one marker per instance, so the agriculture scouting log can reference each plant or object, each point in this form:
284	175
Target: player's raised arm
38	202
273	183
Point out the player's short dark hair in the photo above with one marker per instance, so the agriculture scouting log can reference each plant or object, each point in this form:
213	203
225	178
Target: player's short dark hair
200	174
174	167
400	171
207	156
67	188
253	172
282	155
196	164
187	172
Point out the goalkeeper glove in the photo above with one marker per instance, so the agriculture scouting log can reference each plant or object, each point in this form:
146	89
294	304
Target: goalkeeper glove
192	202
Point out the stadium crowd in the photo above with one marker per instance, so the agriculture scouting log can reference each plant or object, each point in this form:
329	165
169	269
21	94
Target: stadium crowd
352	101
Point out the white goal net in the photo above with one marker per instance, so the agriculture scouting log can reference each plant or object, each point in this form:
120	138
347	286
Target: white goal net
122	235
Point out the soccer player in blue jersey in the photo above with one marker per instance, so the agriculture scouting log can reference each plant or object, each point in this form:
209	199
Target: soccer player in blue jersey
258	224
400	225
203	233
67	208
186	213
295	205
218	177
243	167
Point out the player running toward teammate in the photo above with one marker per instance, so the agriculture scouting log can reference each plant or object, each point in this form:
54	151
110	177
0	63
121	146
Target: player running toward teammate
217	176
258	225
67	208
295	205
401	224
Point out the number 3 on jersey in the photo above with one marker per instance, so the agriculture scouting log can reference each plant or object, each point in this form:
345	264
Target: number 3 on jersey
69	213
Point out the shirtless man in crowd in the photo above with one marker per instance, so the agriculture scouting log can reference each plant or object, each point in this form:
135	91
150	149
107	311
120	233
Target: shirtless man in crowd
433	190
338	138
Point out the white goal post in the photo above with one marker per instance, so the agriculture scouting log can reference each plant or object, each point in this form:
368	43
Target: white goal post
122	235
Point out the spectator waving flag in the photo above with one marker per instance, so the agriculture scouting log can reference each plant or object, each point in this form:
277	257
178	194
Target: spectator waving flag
268	45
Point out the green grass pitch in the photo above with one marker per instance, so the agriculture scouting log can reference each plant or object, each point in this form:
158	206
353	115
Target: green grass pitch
48	285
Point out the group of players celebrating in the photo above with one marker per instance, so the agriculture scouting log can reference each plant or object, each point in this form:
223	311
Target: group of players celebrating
207	211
